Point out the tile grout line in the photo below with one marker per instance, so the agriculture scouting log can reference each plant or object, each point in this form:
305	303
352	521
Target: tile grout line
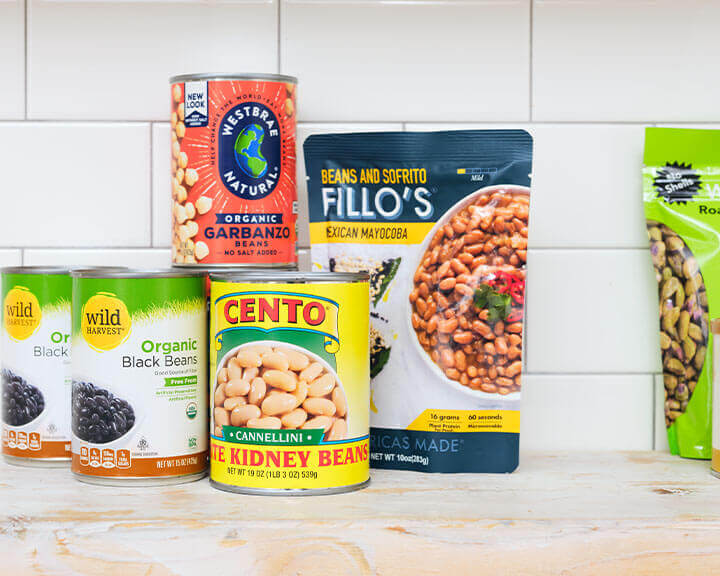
596	374
530	71
307	247
279	36
654	415
152	187
78	122
310	121
27	92
57	248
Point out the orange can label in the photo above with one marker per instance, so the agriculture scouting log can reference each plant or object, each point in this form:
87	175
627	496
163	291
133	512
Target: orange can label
233	172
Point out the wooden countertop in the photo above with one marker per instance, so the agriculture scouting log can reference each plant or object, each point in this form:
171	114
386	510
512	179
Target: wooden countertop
636	513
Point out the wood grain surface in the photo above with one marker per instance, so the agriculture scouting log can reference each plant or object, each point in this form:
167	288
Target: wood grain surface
637	513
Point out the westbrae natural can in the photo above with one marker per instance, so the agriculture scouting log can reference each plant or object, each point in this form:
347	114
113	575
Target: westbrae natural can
233	170
290	381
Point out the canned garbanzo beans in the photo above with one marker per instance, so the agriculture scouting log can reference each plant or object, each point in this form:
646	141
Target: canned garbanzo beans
35	365
139	368
290	382
233	170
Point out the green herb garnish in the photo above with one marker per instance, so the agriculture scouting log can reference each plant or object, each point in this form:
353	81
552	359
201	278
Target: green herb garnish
498	305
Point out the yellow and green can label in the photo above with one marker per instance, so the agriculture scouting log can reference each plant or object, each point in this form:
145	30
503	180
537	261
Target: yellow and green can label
290	385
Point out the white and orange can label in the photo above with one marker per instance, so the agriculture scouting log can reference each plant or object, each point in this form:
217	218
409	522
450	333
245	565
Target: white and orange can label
233	170
35	363
139	396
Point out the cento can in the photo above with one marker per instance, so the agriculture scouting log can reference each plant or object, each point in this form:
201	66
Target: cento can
290	380
35	365
233	170
139	368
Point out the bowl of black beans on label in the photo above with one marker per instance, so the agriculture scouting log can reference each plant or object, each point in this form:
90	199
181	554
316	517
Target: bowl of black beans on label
98	415
21	401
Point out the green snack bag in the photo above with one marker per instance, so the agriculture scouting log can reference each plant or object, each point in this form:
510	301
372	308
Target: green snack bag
681	193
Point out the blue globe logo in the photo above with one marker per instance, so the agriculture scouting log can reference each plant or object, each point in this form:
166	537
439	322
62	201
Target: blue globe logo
247	151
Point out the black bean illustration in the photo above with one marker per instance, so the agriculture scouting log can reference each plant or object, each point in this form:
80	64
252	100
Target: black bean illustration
684	320
98	416
21	402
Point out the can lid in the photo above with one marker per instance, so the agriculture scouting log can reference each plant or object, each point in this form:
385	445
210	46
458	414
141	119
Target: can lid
136	273
86	268
288	276
35	270
228	76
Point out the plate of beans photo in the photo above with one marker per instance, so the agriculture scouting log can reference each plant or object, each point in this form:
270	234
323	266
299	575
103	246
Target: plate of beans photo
275	385
466	302
100	416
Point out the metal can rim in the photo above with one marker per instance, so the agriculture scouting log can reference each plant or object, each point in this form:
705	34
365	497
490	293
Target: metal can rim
137	273
293	492
289	277
234	267
245	76
48	270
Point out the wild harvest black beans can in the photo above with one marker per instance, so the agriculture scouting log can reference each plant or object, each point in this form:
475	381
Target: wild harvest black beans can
35	369
233	170
139	371
290	382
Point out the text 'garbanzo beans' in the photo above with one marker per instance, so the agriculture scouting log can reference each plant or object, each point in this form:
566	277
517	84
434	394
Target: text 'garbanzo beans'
233	170
439	220
290	390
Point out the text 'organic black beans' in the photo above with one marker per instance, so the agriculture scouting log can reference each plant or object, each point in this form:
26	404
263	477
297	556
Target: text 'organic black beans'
98	415
21	402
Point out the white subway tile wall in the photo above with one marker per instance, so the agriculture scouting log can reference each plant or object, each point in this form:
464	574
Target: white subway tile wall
96	60
609	60
10	257
84	147
135	258
75	184
12	61
423	61
661	440
587	412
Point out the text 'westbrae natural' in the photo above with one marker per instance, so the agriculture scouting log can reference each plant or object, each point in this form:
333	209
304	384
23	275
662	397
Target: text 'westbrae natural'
241	113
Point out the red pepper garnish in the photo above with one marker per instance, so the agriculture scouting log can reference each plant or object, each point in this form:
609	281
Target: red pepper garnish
514	316
509	283
518	293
